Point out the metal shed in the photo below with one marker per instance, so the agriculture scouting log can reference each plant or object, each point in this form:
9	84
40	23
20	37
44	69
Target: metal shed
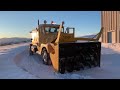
110	20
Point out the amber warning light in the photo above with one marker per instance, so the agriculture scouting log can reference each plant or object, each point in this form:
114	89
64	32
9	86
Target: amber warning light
53	22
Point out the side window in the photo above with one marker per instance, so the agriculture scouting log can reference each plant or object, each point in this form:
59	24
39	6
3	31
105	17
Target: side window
69	30
53	29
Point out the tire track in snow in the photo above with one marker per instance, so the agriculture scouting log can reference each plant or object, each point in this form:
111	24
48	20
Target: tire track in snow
34	65
8	68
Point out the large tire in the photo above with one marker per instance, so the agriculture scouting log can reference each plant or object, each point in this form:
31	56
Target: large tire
46	57
30	51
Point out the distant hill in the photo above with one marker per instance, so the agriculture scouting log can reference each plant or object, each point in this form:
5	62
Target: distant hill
15	40
89	36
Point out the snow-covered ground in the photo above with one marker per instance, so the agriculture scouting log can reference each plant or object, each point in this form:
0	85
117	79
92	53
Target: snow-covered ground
8	68
15	63
8	41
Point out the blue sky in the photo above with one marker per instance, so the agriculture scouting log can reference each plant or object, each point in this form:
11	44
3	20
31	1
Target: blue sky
20	23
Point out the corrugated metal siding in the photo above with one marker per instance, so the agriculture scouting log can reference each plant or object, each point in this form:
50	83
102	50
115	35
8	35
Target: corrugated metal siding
111	23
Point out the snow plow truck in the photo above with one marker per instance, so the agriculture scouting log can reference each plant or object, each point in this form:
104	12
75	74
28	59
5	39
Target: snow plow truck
58	47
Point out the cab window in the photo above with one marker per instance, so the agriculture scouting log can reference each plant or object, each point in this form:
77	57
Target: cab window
52	29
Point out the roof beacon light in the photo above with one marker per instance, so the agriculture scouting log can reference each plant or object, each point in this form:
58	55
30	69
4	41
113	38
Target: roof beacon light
52	22
45	21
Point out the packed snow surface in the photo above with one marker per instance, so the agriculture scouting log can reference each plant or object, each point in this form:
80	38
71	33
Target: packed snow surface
15	63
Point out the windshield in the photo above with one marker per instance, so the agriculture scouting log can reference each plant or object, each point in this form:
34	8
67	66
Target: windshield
52	29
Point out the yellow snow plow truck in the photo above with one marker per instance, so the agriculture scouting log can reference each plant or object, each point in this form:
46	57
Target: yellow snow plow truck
59	48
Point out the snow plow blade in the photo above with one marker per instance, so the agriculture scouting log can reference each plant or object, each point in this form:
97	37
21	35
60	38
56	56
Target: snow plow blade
76	56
